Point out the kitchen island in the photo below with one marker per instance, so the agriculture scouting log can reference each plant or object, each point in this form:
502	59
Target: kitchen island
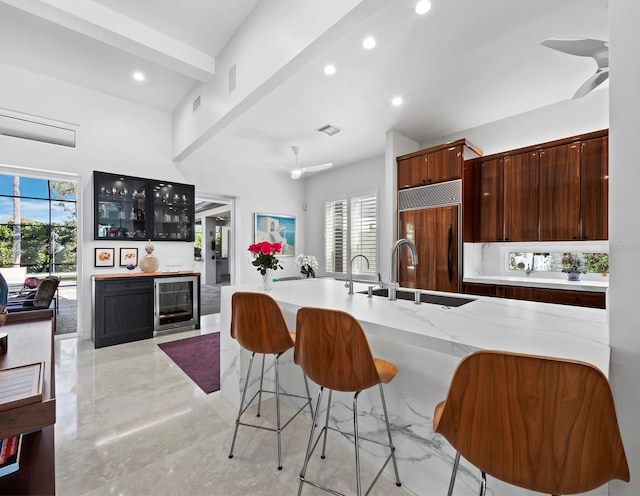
426	342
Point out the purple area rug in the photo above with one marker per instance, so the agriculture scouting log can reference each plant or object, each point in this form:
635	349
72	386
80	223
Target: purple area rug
199	358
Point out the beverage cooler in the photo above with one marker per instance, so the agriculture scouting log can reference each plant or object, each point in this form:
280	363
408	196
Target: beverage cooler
176	303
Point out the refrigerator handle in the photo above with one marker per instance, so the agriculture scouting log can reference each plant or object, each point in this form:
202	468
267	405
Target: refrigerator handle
449	259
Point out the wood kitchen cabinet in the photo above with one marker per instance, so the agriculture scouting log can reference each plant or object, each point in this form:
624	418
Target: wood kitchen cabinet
556	191
488	211
594	188
521	197
434	231
591	299
559	193
433	165
515	292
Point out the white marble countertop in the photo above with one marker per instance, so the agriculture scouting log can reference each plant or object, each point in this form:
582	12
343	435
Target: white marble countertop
541	282
486	323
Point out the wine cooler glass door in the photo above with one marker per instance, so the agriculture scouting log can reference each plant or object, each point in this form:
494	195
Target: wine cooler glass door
176	303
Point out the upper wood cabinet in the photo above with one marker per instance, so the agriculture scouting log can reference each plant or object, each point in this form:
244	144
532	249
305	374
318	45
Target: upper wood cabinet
412	172
488	216
433	165
594	188
559	193
555	191
521	197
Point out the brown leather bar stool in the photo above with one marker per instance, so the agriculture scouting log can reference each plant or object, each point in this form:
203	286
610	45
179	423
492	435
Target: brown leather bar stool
541	423
333	352
258	325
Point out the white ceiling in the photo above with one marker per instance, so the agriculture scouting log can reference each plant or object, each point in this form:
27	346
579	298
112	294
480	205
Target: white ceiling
464	64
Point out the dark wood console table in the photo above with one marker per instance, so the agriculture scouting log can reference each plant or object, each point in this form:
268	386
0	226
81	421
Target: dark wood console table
31	341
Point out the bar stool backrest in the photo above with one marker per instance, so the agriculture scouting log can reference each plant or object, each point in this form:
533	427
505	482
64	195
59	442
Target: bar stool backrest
258	324
333	351
541	423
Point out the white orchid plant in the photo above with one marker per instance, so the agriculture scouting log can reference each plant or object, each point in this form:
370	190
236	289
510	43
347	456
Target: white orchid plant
307	265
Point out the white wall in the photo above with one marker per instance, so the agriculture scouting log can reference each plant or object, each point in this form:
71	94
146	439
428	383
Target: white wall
263	50
361	176
255	190
115	136
624	232
560	120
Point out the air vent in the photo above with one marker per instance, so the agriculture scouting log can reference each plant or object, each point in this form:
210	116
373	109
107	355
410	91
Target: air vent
232	78
24	126
449	193
329	130
196	104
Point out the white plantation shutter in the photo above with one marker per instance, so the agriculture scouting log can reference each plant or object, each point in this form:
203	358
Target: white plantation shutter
351	228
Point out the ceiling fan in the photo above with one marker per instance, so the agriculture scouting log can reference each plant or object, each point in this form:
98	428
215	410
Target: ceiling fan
298	171
596	49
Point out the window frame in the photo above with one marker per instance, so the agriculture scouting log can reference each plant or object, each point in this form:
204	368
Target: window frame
349	197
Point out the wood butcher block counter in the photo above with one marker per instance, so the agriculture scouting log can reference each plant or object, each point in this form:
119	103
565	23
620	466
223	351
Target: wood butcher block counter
426	342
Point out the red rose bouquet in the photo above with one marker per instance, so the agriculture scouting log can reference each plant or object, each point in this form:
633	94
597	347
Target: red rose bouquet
264	256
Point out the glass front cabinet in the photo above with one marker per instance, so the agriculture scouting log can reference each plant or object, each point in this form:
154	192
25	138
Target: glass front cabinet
132	208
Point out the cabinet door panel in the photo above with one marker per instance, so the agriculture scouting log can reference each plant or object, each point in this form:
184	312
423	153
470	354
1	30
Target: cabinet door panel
594	188
520	174
575	298
416	225
124	312
444	165
445	241
514	292
489	211
412	172
560	193
479	289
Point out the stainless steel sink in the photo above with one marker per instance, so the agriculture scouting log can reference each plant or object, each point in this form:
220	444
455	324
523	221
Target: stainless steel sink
401	294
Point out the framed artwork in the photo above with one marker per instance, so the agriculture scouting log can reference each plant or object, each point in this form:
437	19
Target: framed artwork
128	256
104	257
276	228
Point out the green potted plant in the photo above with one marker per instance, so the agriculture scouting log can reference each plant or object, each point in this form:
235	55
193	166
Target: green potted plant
571	266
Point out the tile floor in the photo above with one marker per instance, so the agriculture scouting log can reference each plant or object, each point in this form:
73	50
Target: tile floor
130	422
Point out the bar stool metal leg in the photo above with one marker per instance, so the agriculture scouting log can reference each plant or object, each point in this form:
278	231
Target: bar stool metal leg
356	443
326	426
278	428
391	446
260	390
240	410
310	445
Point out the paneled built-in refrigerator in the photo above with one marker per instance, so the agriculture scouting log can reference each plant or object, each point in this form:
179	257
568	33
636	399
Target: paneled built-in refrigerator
430	216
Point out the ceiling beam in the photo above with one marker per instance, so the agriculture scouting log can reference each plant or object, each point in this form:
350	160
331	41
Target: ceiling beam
98	22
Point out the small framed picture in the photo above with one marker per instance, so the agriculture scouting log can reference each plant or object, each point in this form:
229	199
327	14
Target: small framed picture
128	256
105	257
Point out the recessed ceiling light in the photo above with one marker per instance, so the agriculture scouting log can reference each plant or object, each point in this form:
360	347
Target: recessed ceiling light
329	70
138	76
423	7
369	43
396	101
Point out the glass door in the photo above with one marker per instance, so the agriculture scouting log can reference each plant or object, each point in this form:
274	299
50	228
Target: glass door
120	207
176	302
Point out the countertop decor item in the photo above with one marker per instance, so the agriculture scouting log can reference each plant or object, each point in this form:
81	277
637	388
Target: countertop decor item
307	265
4	295
265	260
149	263
571	267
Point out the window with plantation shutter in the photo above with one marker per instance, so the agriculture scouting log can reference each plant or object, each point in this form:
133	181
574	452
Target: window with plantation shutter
351	229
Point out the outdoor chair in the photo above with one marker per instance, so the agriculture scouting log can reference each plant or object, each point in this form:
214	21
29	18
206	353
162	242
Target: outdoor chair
39	299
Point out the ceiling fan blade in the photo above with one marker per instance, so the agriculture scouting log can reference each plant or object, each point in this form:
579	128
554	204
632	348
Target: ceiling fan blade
316	168
582	47
592	83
